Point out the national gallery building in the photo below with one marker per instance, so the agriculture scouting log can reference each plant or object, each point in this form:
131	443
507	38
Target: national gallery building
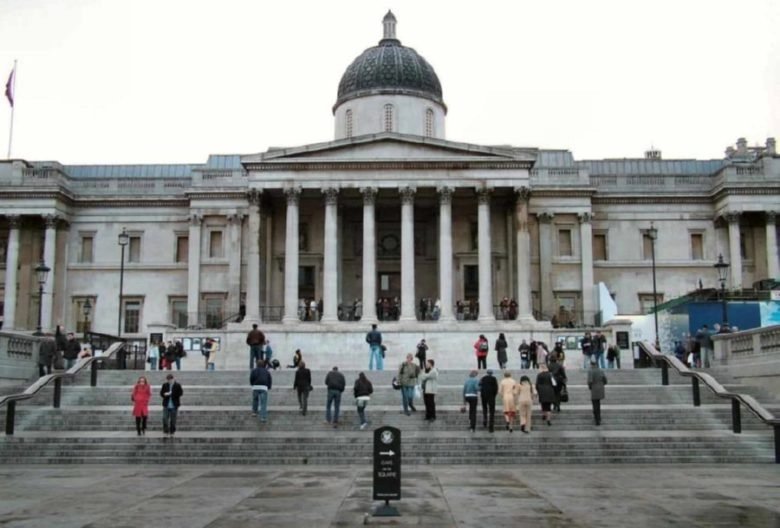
387	221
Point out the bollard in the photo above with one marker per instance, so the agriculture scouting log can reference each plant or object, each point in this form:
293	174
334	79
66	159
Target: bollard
736	417
10	414
57	392
664	373
696	395
93	373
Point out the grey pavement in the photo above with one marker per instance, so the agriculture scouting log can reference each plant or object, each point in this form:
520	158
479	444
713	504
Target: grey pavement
280	496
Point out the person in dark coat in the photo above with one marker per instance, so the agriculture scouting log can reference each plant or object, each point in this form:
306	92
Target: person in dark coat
171	393
488	389
558	373
501	346
336	384
46	352
546	391
62	343
302	384
261	381
596	382
362	391
72	349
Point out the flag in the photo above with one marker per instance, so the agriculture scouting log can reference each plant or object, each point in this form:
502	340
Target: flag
9	88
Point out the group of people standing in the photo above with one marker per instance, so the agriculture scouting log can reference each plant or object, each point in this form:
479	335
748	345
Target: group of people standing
170	392
59	352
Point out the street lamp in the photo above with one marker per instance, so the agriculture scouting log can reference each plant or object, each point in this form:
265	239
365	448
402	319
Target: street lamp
723	269
87	310
123	240
41	273
653	234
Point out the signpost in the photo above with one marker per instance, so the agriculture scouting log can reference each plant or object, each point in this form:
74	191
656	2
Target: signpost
387	469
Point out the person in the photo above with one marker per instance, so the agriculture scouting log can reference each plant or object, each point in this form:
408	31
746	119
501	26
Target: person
525	397
154	355
179	352
374	340
140	397
408	373
704	339
508	391
302	385
546	391
559	353
71	352
336	384
62	343
488	389
600	348
171	393
211	360
268	352
525	355
261	381
481	348
558	372
422	351
679	352
121	358
161	359
500	347
362	391
533	355
430	387
586	343
613	355
297	357
255	339
470	397
596	382
46	352
170	355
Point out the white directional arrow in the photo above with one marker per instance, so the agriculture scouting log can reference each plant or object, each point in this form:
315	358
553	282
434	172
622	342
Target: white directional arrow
388	453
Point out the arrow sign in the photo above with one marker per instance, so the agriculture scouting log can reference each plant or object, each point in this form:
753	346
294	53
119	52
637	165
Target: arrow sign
388	453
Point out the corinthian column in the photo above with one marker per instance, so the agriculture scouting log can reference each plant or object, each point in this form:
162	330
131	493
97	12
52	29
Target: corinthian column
369	255
50	258
523	296
407	255
253	259
291	257
234	221
485	256
586	268
11	263
193	270
545	263
772	267
445	253
330	277
735	252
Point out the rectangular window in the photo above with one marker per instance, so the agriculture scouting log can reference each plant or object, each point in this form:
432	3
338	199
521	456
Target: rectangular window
215	244
134	249
646	302
599	246
647	247
182	248
697	246
86	248
132	312
214	312
564	243
179	312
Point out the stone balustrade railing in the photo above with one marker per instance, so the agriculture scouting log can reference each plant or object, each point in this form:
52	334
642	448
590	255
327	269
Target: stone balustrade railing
607	182
748	346
18	356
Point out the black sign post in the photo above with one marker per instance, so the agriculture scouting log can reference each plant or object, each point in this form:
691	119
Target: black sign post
387	469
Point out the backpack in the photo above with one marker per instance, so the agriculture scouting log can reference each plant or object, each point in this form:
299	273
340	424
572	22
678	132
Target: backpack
483	346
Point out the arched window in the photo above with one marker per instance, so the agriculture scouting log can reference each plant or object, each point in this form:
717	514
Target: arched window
388	118
429	123
348	124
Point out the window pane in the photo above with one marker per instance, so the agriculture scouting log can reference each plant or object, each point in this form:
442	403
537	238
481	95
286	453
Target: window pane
134	255
647	247
697	246
215	244
132	316
214	312
179	310
86	249
599	247
182	249
564	243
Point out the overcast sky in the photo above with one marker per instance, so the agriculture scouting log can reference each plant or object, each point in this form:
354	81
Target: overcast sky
172	81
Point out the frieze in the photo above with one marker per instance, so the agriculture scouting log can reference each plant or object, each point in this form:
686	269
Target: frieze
125	203
391	165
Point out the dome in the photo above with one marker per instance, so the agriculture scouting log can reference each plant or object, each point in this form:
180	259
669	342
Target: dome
389	68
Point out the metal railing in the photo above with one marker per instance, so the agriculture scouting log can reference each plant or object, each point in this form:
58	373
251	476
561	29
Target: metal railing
93	362
737	399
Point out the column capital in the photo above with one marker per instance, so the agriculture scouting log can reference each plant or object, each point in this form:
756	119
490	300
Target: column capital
483	194
369	195
545	217
407	194
196	219
331	195
235	218
293	195
445	194
254	196
51	221
585	218
732	217
771	217
14	221
523	194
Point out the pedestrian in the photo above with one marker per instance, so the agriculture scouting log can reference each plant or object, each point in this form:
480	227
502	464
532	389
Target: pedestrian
613	355
255	339
302	385
533	354
261	381
170	355
211	360
501	346
408	372
140	397
161	356
268	352
374	340
596	382
470	396
429	388
525	355
488	389
362	391
46	352
526	394
586	344
600	349
558	373
704	339
297	358
422	351
546	391
153	355
481	348
508	391
62	343
71	352
179	352
336	384
171	393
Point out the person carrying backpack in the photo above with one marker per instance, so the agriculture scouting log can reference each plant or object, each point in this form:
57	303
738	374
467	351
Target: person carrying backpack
481	348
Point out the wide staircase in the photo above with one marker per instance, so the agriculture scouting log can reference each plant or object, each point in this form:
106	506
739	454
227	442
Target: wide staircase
643	422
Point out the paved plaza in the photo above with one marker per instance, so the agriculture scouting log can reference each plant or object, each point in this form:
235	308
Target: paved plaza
313	496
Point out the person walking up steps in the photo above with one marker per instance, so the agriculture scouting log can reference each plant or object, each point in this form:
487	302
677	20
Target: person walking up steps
596	382
546	391
363	389
260	380
335	383
525	398
255	339
302	385
374	340
408	373
470	396
508	390
488	389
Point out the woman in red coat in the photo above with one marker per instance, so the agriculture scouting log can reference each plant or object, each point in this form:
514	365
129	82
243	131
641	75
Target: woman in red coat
142	393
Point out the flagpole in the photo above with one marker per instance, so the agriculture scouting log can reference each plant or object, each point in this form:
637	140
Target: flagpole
13	107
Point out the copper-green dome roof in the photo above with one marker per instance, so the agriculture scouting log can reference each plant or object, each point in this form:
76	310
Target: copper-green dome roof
389	68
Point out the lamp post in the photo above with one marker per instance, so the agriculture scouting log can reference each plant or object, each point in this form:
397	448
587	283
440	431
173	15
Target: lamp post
87	310
653	234
123	240
41	273
723	268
